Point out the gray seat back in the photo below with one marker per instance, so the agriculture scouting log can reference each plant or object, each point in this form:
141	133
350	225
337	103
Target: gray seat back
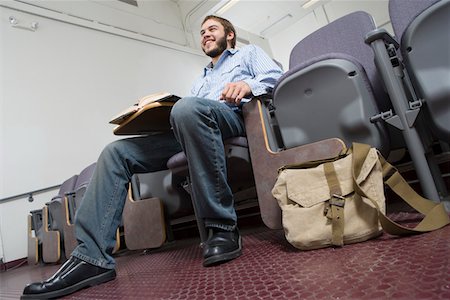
81	185
36	223
422	26
332	87
67	186
55	206
166	187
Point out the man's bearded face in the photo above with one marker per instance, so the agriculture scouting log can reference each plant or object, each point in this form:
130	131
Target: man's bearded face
215	48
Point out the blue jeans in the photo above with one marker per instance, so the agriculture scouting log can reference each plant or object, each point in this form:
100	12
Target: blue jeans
199	128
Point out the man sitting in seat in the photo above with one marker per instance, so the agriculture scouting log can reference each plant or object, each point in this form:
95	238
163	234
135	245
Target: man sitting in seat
200	124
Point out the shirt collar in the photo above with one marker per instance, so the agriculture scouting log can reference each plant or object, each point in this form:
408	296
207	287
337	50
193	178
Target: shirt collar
226	53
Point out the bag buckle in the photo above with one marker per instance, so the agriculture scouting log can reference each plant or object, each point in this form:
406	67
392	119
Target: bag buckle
337	200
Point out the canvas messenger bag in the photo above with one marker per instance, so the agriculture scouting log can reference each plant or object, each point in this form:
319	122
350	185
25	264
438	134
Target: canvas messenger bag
341	200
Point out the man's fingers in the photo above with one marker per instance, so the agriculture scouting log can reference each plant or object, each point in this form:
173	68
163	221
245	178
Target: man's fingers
229	95
227	92
240	96
234	92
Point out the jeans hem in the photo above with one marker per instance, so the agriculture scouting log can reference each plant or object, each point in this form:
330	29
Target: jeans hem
92	261
220	226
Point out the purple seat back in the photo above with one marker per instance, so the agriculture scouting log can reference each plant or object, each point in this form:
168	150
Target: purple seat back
343	38
67	186
85	176
403	12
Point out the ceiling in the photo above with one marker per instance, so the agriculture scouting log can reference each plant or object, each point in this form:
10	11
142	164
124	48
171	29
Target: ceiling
261	17
178	21
265	18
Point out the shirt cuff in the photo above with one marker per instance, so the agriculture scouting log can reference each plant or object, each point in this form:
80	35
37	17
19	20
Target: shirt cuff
257	87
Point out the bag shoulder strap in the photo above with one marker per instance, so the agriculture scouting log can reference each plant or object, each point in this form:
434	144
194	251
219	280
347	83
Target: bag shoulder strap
435	215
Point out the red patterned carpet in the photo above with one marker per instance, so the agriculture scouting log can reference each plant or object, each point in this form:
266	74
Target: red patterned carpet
415	267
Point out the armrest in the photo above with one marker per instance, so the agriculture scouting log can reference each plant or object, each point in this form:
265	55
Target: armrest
381	34
268	115
70	196
266	162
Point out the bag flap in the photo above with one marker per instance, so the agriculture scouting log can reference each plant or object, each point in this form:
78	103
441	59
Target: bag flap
308	187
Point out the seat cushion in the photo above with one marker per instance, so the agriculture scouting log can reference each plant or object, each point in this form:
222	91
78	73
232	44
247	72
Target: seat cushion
179	160
176	161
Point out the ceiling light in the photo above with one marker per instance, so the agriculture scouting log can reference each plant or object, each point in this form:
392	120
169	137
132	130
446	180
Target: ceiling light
226	7
309	3
271	26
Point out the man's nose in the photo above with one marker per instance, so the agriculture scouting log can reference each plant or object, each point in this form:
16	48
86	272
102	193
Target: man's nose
206	35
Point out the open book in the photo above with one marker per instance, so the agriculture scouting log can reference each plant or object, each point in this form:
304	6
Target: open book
128	112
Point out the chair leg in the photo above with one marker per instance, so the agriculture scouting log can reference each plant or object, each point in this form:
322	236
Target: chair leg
266	163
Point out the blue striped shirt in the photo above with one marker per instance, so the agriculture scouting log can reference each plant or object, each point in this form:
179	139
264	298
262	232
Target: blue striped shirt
249	64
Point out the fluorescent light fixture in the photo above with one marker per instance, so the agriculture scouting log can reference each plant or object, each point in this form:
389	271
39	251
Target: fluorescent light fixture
226	7
271	26
309	3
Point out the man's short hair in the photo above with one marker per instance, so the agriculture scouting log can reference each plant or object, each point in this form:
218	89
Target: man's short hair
226	25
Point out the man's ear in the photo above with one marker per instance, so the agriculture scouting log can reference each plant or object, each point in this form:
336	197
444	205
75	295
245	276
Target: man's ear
230	36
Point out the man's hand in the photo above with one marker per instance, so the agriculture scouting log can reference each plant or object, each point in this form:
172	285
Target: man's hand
235	91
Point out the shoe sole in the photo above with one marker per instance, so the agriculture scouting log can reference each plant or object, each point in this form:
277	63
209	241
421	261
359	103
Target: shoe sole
221	258
96	280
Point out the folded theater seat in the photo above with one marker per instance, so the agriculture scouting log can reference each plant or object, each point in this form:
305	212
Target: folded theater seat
53	220
45	231
34	236
153	200
160	199
332	88
72	200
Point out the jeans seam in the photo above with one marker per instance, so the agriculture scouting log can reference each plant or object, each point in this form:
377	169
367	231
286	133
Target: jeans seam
216	168
216	164
107	212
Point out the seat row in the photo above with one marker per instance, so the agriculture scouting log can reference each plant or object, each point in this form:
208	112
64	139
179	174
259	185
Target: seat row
354	81
51	235
347	82
154	202
337	87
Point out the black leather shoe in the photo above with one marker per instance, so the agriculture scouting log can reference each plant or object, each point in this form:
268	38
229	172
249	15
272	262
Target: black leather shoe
221	246
73	275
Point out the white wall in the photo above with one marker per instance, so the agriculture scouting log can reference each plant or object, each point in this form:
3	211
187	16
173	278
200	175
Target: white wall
155	18
2	42
58	88
283	42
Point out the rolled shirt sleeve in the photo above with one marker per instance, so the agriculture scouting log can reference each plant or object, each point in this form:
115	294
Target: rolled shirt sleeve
264	70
